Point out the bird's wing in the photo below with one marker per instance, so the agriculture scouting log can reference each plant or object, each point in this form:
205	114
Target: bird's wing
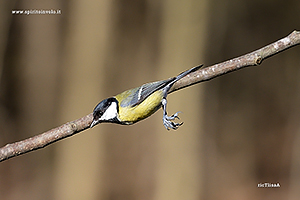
136	96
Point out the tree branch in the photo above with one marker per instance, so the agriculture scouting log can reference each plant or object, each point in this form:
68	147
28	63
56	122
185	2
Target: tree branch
251	59
66	130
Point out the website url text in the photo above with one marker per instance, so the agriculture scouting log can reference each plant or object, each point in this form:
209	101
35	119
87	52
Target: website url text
37	12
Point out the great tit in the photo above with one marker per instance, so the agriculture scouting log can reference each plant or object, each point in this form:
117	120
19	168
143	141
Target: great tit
139	103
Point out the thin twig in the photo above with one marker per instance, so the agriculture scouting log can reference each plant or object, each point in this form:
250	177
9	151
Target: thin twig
66	130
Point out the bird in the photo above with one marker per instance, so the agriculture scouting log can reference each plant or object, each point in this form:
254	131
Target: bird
136	104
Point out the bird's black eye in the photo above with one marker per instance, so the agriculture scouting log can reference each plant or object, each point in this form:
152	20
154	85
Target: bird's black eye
97	114
102	107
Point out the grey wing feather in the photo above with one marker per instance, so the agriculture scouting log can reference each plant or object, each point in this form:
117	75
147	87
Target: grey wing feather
138	95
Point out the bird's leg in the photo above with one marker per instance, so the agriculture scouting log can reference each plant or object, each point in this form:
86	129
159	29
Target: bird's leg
167	120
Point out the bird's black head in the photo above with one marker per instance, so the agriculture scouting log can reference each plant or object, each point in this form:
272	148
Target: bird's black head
106	111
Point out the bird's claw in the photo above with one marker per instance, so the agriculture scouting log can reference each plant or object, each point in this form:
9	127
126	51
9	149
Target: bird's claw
168	123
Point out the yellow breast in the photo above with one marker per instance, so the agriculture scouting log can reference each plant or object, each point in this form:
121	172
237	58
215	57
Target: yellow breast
149	106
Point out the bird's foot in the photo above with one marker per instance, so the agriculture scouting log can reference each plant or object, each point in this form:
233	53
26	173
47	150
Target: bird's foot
169	123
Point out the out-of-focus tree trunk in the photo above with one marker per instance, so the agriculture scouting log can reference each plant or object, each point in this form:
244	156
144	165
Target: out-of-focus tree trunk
29	86
79	167
179	171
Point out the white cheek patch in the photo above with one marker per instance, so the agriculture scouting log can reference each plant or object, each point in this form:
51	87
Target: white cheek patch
111	112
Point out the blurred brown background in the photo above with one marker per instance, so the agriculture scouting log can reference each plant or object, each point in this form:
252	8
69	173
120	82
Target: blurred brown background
240	129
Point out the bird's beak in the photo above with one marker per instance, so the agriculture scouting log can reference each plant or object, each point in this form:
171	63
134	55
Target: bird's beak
93	123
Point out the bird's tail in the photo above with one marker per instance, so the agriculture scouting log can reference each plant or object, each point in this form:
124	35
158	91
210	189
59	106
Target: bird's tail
183	74
180	76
